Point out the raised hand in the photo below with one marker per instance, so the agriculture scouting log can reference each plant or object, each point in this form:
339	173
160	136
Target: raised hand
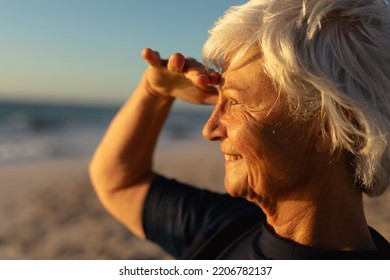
180	77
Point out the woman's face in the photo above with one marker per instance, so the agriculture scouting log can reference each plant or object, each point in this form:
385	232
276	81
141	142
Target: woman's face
268	153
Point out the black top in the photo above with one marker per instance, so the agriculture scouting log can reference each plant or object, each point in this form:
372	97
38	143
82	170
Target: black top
191	223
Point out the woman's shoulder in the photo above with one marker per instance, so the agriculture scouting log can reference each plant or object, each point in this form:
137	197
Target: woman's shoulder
181	218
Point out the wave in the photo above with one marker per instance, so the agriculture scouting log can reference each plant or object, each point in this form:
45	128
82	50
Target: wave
33	131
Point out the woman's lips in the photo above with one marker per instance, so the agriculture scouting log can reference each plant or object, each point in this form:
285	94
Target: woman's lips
229	157
232	159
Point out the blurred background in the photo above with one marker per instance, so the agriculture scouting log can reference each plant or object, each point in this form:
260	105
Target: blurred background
88	51
66	66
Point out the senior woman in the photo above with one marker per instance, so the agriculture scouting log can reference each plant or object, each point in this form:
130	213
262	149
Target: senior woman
302	115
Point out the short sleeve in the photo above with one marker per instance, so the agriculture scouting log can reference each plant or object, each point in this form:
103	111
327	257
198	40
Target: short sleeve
176	214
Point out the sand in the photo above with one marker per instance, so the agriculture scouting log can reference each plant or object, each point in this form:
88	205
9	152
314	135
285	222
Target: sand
48	209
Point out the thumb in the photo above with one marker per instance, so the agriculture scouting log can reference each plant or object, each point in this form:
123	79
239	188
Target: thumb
152	58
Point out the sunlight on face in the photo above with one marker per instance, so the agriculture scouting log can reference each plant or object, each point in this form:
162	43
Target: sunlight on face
267	152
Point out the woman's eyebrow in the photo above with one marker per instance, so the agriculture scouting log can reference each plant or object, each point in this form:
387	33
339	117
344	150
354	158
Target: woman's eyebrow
230	88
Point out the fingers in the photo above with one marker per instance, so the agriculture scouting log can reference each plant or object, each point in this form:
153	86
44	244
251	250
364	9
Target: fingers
215	77
202	78
196	72
211	78
152	58
189	67
210	99
176	62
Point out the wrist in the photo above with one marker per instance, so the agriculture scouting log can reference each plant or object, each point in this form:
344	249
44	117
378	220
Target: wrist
154	93
147	99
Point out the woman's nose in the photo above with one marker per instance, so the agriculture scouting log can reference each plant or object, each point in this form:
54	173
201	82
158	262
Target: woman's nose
215	129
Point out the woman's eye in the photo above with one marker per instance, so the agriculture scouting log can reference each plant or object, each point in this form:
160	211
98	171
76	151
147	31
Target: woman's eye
233	102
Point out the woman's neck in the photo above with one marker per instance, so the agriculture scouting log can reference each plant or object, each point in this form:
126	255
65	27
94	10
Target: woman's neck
322	226
327	213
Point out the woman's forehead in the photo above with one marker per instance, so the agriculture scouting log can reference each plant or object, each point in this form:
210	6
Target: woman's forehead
236	60
246	70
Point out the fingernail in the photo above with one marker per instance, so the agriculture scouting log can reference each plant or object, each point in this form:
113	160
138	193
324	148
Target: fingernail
203	80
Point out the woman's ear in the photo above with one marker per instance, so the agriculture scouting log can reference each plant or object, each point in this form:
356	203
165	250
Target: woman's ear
323	143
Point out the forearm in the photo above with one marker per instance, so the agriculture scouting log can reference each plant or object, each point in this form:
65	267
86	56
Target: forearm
121	169
125	154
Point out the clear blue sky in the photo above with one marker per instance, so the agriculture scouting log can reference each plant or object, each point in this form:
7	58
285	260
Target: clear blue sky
89	50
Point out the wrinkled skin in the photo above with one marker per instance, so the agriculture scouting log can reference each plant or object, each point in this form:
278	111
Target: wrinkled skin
268	153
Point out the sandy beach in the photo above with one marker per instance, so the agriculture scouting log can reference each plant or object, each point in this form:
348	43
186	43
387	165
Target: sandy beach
48	209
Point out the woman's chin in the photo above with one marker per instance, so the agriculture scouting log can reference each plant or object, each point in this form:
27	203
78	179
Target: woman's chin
235	188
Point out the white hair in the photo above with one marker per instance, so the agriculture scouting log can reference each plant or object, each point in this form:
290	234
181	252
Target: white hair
332	59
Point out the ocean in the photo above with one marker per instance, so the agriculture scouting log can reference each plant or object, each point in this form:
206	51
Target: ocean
39	131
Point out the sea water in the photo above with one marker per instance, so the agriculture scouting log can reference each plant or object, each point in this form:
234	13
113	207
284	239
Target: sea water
38	131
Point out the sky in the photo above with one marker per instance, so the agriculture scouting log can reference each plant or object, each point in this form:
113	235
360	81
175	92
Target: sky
88	51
